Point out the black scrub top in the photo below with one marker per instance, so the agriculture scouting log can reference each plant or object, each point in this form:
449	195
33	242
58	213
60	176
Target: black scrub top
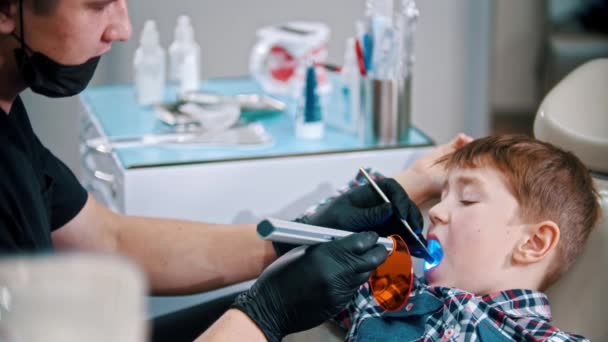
38	193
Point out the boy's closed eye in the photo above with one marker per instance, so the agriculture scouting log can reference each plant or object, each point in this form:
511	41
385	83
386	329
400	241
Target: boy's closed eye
471	190
468	203
469	196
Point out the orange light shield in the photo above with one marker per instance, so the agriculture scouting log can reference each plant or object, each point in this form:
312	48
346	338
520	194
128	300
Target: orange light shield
391	283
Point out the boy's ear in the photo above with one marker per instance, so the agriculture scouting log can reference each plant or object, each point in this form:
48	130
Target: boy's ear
8	16
540	240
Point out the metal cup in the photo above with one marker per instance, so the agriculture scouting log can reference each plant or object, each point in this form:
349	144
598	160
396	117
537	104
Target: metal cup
378	122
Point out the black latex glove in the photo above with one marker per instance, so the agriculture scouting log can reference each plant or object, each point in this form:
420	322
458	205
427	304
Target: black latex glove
362	209
310	284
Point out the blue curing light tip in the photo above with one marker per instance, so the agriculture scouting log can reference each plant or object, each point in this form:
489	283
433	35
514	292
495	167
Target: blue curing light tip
312	104
436	253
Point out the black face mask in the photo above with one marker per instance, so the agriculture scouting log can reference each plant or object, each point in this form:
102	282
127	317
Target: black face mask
49	78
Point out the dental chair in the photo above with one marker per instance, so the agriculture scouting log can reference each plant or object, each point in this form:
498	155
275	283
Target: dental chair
573	116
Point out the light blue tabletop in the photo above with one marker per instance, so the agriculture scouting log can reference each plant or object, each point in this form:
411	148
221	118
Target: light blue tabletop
119	115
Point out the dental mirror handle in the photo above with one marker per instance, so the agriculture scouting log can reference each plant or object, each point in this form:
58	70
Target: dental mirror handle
304	234
386	200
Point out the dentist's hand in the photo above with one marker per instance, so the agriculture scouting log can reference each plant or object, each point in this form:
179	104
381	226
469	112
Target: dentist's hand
362	209
310	285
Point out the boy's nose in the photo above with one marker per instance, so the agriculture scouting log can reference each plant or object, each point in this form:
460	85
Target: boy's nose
438	215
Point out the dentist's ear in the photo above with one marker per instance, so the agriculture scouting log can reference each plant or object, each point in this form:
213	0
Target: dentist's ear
540	240
8	15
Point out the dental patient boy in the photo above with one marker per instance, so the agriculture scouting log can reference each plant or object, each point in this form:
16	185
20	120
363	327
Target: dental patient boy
514	215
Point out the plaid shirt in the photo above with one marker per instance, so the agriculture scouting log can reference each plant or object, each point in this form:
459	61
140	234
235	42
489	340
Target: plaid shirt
448	314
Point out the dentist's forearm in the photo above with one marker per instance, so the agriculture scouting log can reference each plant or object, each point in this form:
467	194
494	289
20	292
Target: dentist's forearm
181	257
235	326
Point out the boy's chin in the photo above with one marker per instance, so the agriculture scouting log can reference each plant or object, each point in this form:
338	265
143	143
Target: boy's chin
433	276
439	276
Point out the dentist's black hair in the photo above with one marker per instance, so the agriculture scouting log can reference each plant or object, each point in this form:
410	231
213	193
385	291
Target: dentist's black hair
39	6
44	6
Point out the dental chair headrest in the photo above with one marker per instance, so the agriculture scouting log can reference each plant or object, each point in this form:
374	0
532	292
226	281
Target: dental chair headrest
574	115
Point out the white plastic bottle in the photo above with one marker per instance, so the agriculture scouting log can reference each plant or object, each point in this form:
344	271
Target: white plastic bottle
351	78
150	64
185	57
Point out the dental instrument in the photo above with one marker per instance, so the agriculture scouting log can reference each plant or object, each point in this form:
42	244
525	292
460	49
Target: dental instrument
386	200
252	134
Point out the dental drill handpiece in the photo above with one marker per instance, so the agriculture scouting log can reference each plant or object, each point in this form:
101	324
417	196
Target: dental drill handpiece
428	257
